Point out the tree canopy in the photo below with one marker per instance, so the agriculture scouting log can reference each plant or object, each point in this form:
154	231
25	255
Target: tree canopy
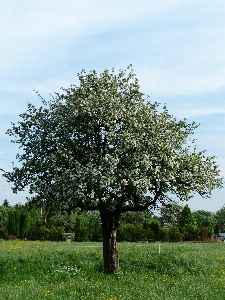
186	217
170	213
205	219
103	146
220	216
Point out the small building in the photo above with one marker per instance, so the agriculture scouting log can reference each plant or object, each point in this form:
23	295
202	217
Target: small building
70	236
222	236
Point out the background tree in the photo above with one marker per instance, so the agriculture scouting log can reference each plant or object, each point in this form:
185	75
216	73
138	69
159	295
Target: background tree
131	217
216	231
102	146
13	222
220	216
154	226
205	219
186	217
4	215
187	224
6	203
169	214
24	224
94	226
4	211
18	223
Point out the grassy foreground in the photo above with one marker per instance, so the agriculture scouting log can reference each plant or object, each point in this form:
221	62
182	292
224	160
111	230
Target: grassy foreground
43	270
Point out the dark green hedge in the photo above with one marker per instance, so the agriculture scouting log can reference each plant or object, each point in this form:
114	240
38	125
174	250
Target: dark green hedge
51	233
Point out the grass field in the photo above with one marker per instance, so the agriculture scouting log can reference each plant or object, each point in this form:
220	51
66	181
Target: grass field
43	270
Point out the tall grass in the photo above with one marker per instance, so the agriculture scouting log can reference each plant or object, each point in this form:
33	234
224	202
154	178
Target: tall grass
43	270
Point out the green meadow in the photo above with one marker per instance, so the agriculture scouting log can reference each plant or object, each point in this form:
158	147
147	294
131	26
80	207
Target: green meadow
63	270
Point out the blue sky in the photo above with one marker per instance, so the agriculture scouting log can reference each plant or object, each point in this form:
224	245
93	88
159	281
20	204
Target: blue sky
176	48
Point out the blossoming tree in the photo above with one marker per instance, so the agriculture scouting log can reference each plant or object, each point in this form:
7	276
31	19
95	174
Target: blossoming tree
102	146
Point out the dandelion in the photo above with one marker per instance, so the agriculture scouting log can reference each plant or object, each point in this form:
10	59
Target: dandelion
49	293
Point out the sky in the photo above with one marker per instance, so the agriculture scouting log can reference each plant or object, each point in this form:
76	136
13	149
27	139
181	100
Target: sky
176	49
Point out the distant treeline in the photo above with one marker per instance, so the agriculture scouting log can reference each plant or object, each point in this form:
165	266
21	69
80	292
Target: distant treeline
174	223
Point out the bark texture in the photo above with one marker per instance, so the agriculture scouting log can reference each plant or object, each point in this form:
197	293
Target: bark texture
110	224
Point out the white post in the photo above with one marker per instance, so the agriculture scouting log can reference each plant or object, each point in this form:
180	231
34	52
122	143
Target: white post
159	248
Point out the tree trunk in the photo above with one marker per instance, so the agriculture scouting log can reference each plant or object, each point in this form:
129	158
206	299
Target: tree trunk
110	224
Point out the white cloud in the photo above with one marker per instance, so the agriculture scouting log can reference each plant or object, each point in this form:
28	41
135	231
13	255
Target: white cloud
180	80
181	50
31	21
200	112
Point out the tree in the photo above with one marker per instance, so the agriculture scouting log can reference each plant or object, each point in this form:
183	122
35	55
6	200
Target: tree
187	224
4	215
154	226
205	219
6	203
13	224
220	216
186	217
24	224
170	213
102	146
131	217
18	223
